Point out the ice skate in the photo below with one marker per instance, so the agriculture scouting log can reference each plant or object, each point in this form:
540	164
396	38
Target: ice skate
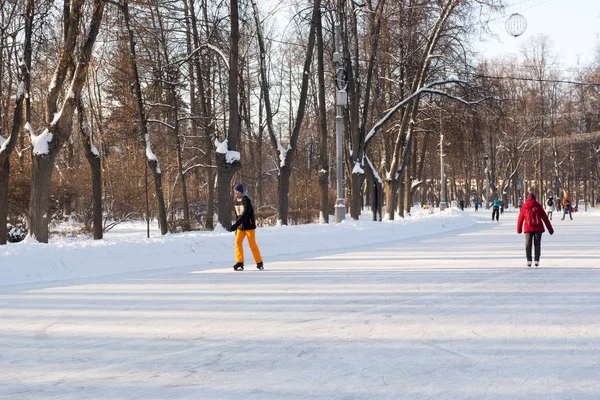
238	266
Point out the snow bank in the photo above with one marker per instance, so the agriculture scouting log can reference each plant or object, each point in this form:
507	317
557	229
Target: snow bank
126	248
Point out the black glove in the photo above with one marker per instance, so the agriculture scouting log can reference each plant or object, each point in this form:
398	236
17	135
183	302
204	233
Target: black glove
233	228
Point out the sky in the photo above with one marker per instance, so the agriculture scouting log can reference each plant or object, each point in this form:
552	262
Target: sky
572	25
437	306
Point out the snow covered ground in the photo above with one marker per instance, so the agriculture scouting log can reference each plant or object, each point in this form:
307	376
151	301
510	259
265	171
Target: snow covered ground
435	307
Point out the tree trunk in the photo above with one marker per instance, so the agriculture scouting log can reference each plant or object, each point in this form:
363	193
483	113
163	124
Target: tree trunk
67	199
401	193
226	172
391	190
4	171
356	196
184	197
283	189
210	199
93	157
408	190
322	115
39	201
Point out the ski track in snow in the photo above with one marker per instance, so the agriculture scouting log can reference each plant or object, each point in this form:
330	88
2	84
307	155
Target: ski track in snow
454	315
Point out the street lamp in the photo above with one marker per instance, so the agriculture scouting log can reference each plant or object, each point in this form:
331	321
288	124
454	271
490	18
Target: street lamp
487	182
443	202
341	82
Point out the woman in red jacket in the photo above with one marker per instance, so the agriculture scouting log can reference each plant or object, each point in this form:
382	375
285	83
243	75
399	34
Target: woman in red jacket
533	215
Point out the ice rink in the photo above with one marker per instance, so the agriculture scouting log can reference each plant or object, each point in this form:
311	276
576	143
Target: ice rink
452	315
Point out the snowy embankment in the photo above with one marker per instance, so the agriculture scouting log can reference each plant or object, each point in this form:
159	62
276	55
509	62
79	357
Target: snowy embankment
126	248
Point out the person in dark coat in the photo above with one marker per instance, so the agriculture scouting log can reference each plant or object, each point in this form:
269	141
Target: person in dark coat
244	226
533	216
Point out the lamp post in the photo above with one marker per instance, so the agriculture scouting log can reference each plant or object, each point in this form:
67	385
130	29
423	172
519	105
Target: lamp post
443	202
341	82
487	183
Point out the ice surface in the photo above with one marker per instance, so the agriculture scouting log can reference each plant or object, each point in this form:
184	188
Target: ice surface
437	308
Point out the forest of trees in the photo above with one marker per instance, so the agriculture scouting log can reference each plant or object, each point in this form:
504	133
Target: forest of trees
116	110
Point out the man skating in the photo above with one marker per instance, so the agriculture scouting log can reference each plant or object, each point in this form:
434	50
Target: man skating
244	226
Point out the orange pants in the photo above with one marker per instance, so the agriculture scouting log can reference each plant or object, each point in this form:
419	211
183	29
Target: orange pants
239	249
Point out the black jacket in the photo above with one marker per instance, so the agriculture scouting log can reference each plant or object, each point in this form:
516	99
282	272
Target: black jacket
244	213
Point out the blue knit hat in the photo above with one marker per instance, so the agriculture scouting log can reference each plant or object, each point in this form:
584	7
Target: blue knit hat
239	187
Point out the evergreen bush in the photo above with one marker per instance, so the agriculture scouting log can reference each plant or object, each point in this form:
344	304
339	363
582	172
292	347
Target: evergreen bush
15	234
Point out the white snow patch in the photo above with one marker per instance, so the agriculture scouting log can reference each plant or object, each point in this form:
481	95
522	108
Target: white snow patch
126	248
53	83
94	150
221	147
20	91
3	144
230	155
29	239
357	169
149	153
28	128
40	142
56	117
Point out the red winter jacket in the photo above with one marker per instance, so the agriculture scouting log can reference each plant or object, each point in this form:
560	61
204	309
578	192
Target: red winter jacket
530	203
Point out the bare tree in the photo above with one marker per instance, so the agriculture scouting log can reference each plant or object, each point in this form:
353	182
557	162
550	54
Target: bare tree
151	158
7	145
60	109
286	155
93	156
227	165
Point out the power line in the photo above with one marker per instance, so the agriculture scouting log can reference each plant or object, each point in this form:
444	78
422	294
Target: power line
517	78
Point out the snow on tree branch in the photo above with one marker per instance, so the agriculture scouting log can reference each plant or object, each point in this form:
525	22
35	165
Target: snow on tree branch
212	47
373	170
231	156
162	123
282	152
150	154
415	183
40	143
428	88
358	168
201	165
20	92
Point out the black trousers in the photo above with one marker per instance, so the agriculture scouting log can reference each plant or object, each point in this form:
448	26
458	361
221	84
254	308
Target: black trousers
495	212
536	238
